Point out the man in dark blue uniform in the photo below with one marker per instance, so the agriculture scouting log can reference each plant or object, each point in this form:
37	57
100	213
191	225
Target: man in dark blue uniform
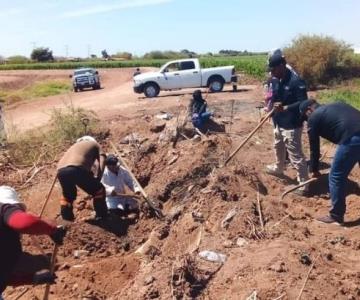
340	124
290	93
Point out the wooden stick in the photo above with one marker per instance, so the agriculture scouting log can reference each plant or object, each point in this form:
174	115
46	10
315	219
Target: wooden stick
259	210
157	211
52	270
307	277
48	196
22	293
249	136
298	186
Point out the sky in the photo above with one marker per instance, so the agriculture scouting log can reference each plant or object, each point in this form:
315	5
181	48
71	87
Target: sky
78	27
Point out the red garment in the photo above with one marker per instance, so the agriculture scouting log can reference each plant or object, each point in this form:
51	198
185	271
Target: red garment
23	222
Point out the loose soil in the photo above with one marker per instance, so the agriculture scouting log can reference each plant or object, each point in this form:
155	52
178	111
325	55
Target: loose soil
150	258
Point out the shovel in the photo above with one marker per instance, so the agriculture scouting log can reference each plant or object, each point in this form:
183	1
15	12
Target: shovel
151	204
297	186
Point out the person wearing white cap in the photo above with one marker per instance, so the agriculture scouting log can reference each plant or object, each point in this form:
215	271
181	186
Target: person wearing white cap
16	266
75	170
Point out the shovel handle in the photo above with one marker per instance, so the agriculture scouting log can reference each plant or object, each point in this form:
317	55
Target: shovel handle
249	136
298	186
157	211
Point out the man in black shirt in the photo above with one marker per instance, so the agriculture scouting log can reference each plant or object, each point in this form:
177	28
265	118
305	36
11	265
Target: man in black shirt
290	93
340	124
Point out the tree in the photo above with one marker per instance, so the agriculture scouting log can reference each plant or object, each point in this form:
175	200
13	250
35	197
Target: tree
42	54
104	54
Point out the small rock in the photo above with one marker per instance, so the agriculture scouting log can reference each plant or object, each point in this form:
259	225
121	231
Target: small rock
157	126
241	242
305	259
329	256
163	232
198	216
64	266
278	267
149	280
175	212
75	287
80	253
227	243
154	294
230	215
152	251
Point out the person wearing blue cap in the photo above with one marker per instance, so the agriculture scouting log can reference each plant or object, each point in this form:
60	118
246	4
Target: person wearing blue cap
290	92
339	123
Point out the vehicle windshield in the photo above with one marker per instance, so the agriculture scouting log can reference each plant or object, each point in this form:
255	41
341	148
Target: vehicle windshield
84	71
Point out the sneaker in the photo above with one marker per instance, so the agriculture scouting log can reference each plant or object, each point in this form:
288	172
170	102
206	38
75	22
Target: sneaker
274	170
330	219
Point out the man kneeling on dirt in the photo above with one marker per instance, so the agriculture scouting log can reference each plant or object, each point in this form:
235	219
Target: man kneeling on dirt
197	110
75	170
17	267
339	123
116	179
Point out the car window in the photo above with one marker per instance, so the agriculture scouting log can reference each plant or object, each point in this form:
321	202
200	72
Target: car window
82	72
172	67
187	65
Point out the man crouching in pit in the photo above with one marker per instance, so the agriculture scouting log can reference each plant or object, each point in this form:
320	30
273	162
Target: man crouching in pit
75	170
117	180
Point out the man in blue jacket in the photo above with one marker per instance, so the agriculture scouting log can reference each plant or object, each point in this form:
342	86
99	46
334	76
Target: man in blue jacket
340	124
291	92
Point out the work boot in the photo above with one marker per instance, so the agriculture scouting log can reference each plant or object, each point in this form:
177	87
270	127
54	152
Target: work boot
330	220
66	212
274	170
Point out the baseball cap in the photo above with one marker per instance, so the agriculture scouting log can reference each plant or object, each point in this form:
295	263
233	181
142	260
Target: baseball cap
111	160
275	60
304	105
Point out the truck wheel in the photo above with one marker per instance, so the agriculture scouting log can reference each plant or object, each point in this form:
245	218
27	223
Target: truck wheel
216	84
75	89
151	90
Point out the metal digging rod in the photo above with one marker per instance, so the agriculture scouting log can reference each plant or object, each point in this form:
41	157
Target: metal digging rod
157	211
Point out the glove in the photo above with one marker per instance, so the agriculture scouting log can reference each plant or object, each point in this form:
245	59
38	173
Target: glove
44	276
58	235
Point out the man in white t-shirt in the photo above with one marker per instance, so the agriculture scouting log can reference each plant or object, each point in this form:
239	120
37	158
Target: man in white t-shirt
116	179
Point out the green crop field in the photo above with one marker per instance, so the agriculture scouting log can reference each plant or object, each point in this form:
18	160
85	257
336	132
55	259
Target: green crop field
252	65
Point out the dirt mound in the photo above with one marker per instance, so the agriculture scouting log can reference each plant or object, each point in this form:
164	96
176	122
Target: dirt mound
266	247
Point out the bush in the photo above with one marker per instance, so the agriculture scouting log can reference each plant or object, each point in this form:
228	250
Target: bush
17	59
67	125
319	59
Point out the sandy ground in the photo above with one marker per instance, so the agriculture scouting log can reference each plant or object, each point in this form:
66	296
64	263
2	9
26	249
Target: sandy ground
159	259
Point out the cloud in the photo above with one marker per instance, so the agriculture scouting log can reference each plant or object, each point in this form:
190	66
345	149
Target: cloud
99	9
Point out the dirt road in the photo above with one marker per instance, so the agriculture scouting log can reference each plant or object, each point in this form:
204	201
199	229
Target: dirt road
116	97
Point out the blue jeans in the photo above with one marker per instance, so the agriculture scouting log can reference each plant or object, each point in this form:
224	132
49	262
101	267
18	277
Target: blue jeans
201	119
346	156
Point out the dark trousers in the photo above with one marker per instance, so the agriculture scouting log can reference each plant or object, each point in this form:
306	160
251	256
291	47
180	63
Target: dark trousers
346	156
71	177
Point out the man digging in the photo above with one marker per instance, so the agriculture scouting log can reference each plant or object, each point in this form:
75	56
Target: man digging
17	267
115	180
291	92
75	170
340	124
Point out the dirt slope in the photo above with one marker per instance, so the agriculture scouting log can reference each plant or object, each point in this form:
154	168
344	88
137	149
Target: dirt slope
159	259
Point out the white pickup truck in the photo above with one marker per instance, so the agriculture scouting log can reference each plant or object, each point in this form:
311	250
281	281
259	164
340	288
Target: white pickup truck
183	73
